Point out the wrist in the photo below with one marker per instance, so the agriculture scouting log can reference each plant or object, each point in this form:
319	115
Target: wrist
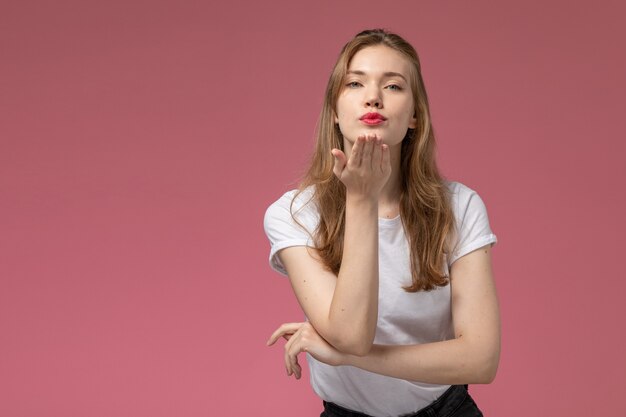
361	200
345	359
358	360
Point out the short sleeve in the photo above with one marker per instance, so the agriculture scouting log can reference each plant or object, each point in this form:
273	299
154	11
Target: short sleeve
283	231
472	229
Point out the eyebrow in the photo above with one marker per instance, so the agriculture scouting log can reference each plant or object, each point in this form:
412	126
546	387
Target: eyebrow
386	74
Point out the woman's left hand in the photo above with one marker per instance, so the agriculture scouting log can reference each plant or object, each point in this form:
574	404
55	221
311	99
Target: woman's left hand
302	337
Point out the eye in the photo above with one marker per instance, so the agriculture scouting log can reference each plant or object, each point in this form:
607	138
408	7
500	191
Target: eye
394	87
353	84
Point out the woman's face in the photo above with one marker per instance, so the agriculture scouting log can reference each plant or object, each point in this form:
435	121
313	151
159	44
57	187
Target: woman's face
377	84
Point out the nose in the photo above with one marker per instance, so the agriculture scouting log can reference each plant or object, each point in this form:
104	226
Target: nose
374	103
373	99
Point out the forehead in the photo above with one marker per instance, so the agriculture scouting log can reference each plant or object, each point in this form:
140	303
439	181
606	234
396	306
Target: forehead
380	59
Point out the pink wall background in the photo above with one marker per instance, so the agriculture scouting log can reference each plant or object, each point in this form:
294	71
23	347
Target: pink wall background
141	141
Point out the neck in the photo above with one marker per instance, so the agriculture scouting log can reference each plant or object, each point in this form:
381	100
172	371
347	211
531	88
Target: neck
390	194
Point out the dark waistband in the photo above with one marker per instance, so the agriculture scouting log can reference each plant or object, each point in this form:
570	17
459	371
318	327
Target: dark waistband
448	401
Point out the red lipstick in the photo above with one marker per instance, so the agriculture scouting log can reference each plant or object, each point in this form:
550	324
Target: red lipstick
372	118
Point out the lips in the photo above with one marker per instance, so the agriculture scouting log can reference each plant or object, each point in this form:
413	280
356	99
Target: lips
373	117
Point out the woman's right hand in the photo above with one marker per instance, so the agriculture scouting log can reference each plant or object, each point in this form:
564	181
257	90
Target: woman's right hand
368	168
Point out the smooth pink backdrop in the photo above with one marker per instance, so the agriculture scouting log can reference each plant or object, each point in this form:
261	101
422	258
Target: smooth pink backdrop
141	141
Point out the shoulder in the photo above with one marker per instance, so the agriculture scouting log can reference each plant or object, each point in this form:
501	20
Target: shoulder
464	199
472	221
290	221
459	192
295	202
293	210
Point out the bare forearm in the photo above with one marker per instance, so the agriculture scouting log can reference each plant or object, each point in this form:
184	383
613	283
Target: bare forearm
448	362
354	308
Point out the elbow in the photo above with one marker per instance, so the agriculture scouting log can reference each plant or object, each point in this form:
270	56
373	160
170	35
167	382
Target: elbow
487	368
353	340
486	375
480	363
357	345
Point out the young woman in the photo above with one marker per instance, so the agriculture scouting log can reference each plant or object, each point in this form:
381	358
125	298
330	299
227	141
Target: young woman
390	262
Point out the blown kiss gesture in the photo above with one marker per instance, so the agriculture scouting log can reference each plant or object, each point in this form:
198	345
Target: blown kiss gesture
366	169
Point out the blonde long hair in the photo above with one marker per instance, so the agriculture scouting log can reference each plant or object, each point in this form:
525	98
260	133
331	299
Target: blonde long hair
425	208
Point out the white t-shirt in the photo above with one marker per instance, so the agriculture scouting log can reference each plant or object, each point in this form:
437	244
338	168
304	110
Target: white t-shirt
403	318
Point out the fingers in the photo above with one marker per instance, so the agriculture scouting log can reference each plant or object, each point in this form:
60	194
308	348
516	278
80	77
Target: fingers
291	332
292	349
283	330
376	153
368	149
296	370
357	152
367	168
385	159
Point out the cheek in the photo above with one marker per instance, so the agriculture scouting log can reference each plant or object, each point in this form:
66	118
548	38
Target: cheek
340	115
343	105
337	113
